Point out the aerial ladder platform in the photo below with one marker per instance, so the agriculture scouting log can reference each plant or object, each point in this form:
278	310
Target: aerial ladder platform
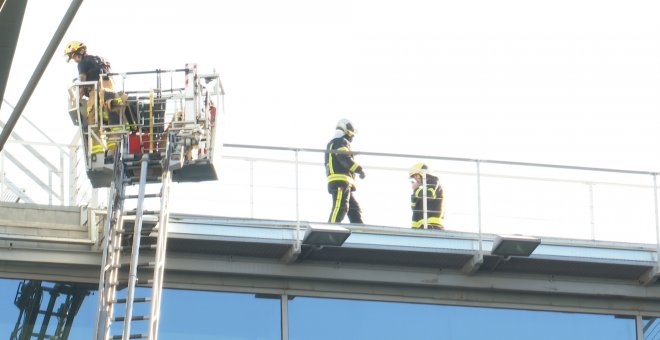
136	141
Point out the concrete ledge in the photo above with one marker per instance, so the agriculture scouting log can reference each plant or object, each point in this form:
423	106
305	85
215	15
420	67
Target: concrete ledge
42	223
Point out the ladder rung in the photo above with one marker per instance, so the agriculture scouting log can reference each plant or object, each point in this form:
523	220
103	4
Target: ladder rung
138	299
136	179
147	227
145	196
138	163
142	247
144	213
132	336
147	264
134	318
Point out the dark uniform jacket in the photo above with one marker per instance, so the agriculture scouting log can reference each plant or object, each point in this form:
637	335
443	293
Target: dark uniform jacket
92	67
434	197
340	167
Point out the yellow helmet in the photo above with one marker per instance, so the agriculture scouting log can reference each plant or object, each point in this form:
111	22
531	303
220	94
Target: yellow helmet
72	48
418	169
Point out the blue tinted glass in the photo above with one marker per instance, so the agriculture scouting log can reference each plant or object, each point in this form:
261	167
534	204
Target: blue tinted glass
63	296
319	319
185	314
651	328
202	315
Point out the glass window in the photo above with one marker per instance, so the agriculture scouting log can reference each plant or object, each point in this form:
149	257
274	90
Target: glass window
19	299
319	319
198	315
651	328
202	315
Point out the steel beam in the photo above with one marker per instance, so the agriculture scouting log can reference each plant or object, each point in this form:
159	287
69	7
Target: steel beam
39	71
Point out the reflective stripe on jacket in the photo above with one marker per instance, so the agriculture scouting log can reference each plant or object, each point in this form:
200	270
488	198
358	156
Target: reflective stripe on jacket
434	203
340	166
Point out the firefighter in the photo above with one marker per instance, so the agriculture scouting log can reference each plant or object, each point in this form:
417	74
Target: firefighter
340	169
419	176
90	68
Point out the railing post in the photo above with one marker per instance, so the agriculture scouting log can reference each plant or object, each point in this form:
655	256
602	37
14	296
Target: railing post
61	175
592	218
481	250
657	222
251	189
477	260
73	157
298	240
3	184
50	186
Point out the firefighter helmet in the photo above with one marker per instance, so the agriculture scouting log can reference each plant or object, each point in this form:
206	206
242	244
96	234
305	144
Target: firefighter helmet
346	126
72	48
418	169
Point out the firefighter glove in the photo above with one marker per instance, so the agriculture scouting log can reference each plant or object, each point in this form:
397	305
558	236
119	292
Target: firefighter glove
360	172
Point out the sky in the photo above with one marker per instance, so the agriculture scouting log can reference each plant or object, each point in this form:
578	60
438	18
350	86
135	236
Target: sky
563	82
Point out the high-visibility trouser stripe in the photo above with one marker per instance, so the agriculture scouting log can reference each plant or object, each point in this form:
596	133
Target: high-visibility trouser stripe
341	177
338	200
97	148
431	220
111	142
332	168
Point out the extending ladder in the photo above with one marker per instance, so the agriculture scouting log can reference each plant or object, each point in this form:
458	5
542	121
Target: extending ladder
155	146
134	239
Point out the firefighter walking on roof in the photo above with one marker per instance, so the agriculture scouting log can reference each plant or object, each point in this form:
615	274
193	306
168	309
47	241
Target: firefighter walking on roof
340	169
427	198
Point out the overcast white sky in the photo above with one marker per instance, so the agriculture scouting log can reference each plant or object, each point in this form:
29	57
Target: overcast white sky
570	82
565	82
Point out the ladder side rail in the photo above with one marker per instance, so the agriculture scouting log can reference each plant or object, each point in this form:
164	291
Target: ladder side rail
113	266
137	232
111	244
161	253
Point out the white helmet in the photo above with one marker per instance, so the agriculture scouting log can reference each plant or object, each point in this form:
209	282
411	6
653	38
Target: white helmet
346	126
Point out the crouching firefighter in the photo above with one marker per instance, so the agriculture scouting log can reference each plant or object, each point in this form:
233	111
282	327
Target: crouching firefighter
427	198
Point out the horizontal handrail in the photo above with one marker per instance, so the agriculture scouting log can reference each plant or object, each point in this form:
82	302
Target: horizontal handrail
444	158
569	203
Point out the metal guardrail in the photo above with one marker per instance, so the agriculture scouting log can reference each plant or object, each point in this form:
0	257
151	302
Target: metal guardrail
43	172
483	196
